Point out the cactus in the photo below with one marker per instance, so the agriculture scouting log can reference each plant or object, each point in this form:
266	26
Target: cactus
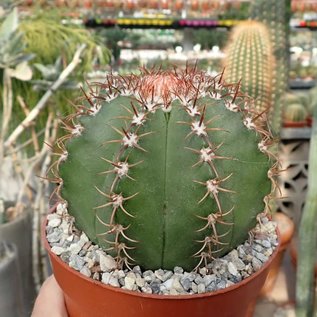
166	168
275	15
249	57
294	112
305	279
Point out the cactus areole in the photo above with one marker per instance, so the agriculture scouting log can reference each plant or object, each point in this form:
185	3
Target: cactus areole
165	169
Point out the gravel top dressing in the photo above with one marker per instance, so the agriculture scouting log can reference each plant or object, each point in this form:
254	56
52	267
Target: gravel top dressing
75	249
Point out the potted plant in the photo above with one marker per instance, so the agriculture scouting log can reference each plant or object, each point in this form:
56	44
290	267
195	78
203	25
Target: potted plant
157	208
294	115
11	299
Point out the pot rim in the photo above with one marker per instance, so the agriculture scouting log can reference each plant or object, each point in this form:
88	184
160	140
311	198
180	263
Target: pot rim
154	296
295	124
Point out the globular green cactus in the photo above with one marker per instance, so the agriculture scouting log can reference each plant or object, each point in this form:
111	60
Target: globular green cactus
166	169
275	15
294	112
249	58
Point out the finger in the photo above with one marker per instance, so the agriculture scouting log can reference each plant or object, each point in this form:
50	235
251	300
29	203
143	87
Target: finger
50	301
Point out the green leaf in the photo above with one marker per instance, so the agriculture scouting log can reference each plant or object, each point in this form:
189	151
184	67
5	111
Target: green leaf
9	26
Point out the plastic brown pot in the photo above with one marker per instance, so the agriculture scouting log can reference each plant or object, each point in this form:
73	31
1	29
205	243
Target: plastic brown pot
286	228
85	297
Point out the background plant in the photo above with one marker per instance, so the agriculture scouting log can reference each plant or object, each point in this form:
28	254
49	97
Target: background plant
275	15
249	59
305	278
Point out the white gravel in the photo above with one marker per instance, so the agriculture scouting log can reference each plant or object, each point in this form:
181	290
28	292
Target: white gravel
75	249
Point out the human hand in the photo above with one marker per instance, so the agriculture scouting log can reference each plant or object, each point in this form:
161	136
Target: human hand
50	300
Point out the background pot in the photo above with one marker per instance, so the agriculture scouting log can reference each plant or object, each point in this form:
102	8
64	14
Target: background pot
11	304
86	297
292	124
286	228
19	232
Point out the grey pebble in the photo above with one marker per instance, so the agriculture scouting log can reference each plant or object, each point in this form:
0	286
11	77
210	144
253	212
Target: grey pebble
74	248
58	250
232	269
177	285
208	279
178	270
148	276
55	222
167	275
266	244
221	284
257	247
140	282
55	236
65	256
159	274
155	287
257	264
261	257
137	269
199	279
168	283
85	271
186	283
129	281
76	262
201	288
146	289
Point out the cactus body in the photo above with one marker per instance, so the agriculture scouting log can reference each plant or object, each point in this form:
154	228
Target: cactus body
165	169
274	14
249	58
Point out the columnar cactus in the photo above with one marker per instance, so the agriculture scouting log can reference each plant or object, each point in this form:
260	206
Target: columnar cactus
275	15
307	237
165	169
249	57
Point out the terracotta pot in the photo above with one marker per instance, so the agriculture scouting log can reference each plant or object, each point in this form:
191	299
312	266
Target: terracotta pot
291	124
85	297
309	121
194	5
286	228
178	5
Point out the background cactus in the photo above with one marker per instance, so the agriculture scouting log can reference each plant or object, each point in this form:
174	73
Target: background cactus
161	169
275	15
294	112
249	57
307	244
